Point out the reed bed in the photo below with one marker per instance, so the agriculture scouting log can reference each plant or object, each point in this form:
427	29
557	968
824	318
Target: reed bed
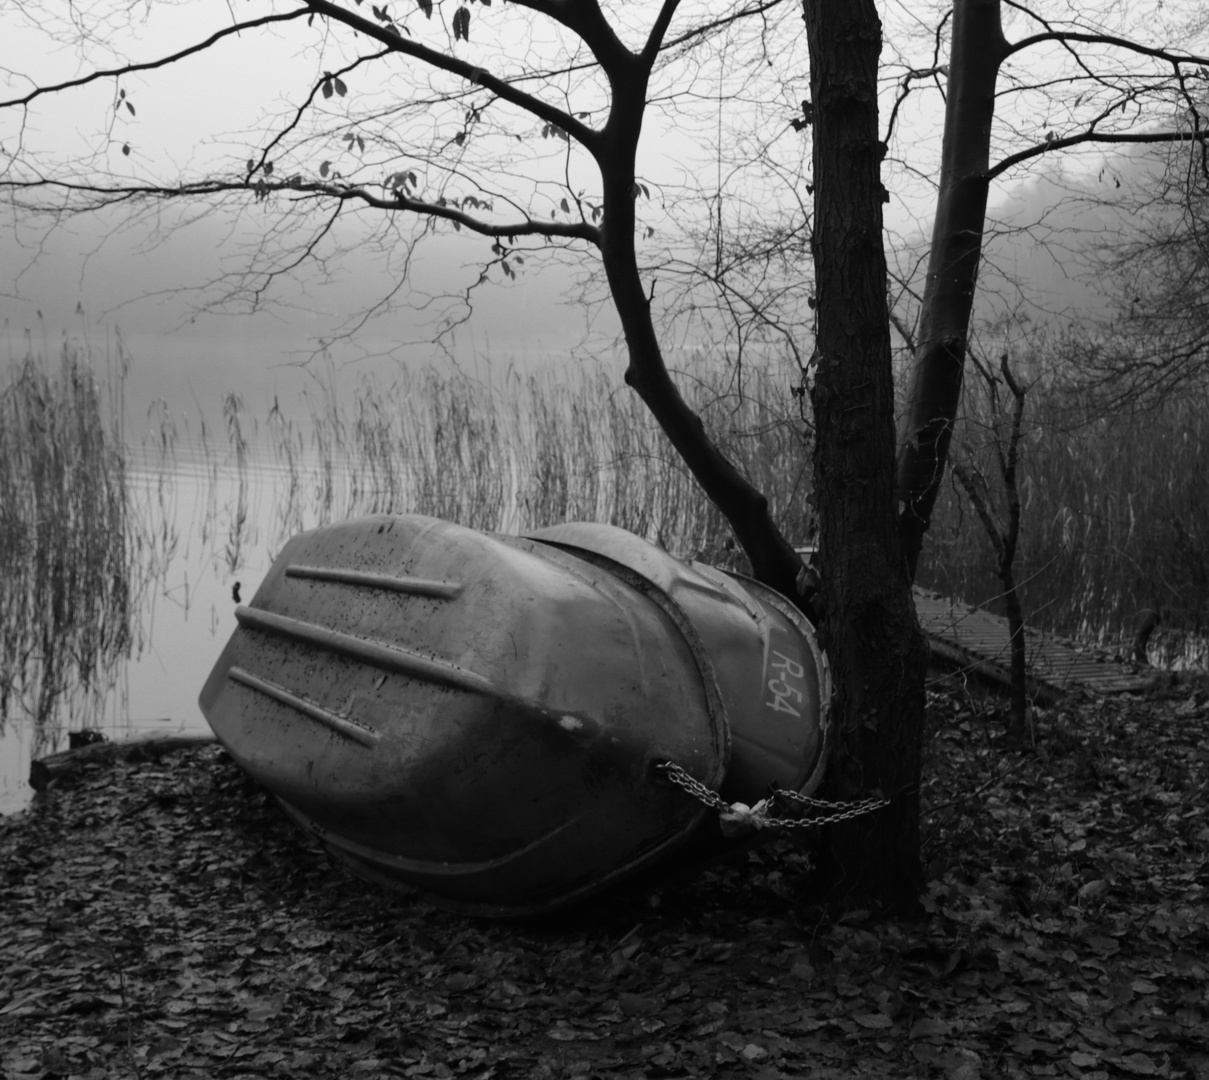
1116	514
68	597
1115	510
531	451
1115	521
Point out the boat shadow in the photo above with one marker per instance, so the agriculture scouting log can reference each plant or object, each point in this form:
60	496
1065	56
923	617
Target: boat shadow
767	879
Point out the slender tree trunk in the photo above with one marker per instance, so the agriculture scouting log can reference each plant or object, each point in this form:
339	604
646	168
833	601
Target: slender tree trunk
1007	556
1015	618
1005	536
978	48
876	650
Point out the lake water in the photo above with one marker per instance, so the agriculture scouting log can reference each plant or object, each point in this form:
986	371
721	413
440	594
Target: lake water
188	615
214	505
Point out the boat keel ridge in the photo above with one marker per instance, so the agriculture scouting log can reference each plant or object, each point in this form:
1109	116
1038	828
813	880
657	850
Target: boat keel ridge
377	653
342	725
437	590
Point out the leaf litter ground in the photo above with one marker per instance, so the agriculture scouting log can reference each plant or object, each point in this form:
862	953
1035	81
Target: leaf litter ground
164	920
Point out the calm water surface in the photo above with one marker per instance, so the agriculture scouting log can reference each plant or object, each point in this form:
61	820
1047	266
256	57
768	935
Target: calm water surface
189	615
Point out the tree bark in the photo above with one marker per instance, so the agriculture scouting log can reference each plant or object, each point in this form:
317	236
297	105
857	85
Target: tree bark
877	652
1019	668
977	50
1004	534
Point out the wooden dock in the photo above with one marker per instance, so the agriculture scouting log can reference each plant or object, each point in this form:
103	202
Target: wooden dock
974	641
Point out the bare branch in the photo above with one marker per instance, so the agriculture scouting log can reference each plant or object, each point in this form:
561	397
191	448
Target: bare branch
1093	136
586	19
1068	36
301	110
578	130
654	41
151	65
705	29
904	331
576	230
262	189
905	89
975	487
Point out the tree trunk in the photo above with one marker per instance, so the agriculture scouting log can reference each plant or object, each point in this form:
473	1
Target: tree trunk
1019	669
877	653
978	48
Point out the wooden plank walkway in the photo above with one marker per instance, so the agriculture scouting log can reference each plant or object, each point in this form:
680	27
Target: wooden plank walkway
976	641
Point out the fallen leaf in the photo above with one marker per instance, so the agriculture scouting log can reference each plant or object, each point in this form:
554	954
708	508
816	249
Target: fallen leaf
1137	1064
874	1021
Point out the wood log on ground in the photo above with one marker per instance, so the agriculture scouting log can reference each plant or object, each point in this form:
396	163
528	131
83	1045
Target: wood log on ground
66	763
950	659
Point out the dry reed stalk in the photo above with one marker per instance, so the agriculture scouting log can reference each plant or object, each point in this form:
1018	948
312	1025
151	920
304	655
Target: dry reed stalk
533	451
1115	521
70	587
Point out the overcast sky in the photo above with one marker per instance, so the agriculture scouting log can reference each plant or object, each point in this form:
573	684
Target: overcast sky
148	277
92	275
95	275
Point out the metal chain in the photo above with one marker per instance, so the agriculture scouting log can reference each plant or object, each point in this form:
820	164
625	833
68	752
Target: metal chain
757	816
841	811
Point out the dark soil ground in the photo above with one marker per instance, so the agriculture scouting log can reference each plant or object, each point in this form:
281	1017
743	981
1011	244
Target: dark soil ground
164	919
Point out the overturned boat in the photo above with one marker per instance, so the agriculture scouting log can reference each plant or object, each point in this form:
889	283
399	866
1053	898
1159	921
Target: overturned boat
494	718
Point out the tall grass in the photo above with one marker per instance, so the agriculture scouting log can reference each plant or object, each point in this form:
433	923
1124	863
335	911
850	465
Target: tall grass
1115	510
1115	520
532	451
67	595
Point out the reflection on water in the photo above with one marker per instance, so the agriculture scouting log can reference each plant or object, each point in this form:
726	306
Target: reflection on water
122	563
187	616
68	591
